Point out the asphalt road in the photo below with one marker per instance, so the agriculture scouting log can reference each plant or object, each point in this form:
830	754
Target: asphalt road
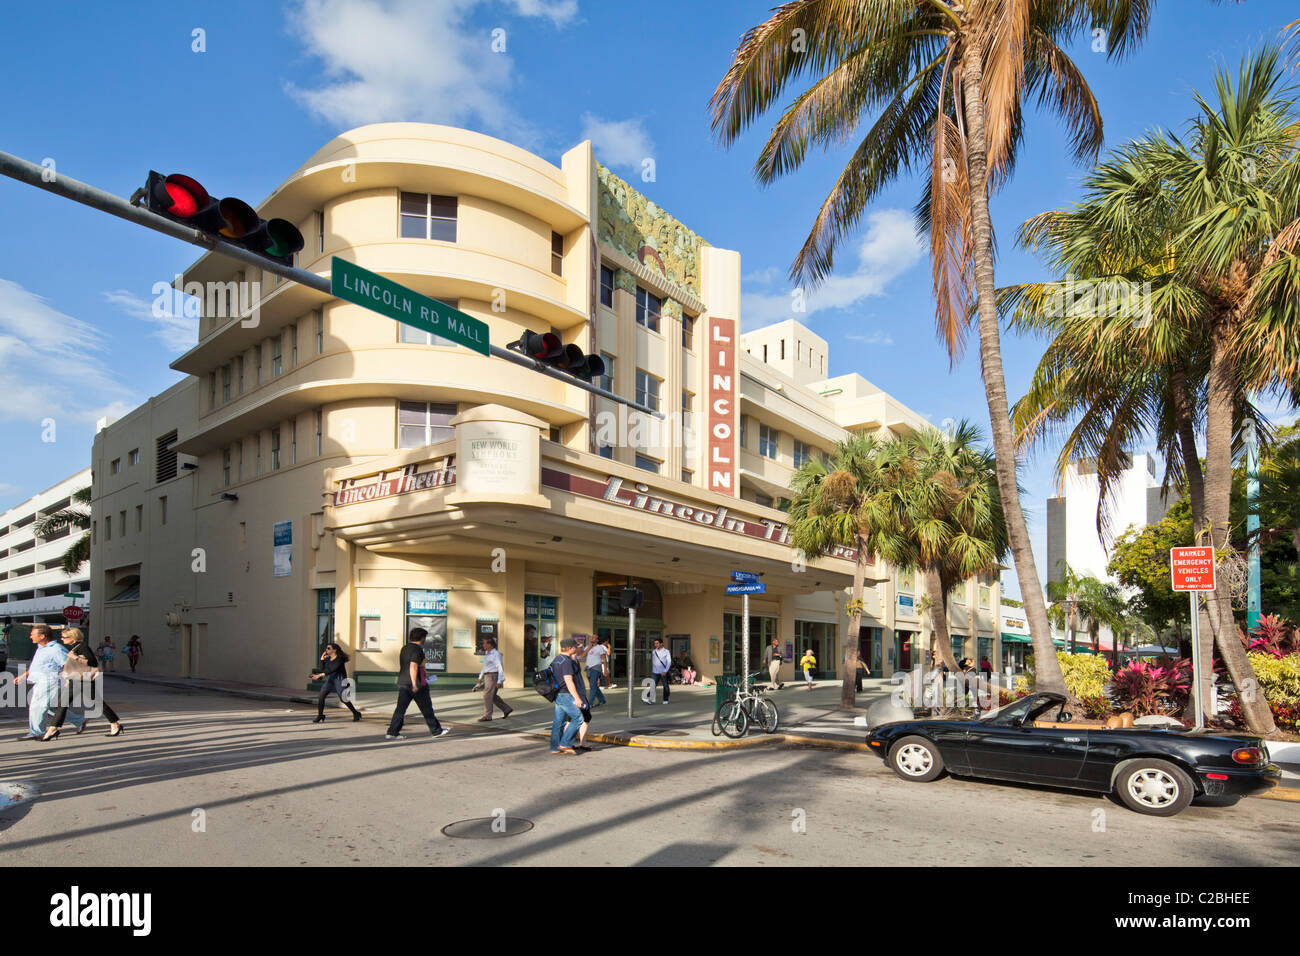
214	780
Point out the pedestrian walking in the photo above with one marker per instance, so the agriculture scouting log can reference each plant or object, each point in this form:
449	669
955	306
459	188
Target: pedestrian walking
45	673
660	663
772	658
595	671
570	701
107	651
81	665
609	664
133	651
492	676
334	671
413	685
808	662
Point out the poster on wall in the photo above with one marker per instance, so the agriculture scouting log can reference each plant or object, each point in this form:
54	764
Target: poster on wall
282	549
428	609
715	651
483	631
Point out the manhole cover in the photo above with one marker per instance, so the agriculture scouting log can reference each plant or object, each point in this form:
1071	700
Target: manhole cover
661	732
488	828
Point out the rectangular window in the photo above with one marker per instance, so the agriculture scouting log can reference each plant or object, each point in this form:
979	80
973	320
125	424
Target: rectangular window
320	230
164	460
257	464
239	474
277	359
647	389
293	340
121	522
139	517
115	466
647	309
688	476
108	527
162	510
802	452
258	349
212	390
226	377
275	449
293	442
688	331
133	457
225	467
744	426
607	286
320	332
428	217
769	440
986	597
607	451
423	423
239	373
413	336
686	410
607	380
764	500
557	254
648	464
325	622
320	427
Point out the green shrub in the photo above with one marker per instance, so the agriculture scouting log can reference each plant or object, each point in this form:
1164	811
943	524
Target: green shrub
1279	677
1087	676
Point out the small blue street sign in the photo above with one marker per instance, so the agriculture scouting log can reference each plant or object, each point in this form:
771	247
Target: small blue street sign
744	577
746	588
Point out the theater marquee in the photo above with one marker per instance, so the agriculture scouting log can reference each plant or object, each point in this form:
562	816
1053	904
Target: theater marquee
721	463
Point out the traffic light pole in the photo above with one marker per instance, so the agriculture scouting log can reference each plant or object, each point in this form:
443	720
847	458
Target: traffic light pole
60	185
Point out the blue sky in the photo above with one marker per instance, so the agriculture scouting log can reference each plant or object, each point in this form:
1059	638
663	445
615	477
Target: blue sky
108	91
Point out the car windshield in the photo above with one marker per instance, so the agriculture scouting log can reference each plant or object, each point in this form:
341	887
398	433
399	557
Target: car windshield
1016	710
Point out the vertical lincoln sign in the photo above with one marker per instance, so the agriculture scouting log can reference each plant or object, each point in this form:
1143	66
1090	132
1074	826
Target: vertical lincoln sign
721	464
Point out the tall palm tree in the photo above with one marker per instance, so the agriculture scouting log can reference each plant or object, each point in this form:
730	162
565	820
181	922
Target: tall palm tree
948	80
945	517
837	502
77	517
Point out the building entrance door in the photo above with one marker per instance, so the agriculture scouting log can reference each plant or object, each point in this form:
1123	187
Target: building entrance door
610	621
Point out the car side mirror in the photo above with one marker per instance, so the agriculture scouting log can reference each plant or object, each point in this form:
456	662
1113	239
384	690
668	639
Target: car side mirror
1065	717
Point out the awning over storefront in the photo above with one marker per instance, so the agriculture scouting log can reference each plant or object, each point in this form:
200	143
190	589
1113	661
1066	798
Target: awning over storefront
1016	638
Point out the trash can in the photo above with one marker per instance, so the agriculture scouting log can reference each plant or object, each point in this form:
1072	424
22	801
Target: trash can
725	685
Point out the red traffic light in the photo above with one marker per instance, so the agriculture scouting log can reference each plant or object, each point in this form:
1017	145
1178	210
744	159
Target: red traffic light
184	199
549	349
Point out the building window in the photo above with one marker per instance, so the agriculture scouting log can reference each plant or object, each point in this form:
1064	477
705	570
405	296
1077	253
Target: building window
121	522
607	380
413	336
115	466
607	286
225	467
212	390
239	373
293	442
606	451
986	597
239	473
648	464
744	425
764	500
428	217
320	230
133	457
688	476
320	430
647	389
325	622
557	254
293	340
164	461
647	309
257	462
275	449
769	440
226	376
162	510
139	517
802	452
277	359
688	331
108	527
320	332
258	350
423	423
686	410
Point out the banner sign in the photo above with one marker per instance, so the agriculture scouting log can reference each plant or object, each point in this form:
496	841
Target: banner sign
723	384
282	549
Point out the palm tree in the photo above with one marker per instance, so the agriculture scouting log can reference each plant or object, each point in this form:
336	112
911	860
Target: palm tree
945	516
948	79
77	517
837	502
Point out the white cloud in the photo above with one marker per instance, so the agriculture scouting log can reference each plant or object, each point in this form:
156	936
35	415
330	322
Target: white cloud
417	60
889	248
8	490
178	333
617	143
872	338
52	365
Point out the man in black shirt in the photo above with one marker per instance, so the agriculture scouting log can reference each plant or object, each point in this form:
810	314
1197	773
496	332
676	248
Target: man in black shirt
413	685
571	700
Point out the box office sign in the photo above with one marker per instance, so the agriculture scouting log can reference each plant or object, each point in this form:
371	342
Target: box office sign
435	474
428	609
721	449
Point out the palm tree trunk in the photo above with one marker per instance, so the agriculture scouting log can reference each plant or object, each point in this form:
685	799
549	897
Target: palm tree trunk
1072	622
848	676
1047	669
1218	501
942	639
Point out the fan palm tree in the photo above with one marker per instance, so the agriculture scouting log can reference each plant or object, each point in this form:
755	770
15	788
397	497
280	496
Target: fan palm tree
947	80
77	517
945	517
837	502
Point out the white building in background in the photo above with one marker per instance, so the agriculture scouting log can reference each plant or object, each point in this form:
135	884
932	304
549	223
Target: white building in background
33	586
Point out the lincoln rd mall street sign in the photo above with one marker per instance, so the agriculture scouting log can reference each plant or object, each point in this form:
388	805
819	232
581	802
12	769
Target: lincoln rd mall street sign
355	284
1191	569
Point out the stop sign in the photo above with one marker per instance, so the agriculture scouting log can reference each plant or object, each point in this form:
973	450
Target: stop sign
72	613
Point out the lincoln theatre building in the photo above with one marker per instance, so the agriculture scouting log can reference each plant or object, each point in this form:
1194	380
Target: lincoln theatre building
325	473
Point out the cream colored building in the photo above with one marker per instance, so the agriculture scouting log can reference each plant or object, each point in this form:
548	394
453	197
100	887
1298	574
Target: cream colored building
327	473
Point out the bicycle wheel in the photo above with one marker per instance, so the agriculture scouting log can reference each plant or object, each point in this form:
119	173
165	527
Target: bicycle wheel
731	717
717	723
767	714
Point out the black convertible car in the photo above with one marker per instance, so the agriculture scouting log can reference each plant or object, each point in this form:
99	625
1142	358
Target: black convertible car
1033	740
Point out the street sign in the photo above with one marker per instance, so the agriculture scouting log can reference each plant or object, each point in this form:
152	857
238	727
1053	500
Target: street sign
1191	569
365	288
72	613
746	588
744	577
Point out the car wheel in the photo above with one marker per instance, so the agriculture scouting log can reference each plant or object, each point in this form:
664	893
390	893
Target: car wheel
916	759
1154	787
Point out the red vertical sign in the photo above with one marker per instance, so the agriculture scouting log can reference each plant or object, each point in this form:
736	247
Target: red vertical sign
721	463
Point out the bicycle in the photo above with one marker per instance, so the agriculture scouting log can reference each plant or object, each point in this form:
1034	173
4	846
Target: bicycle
746	705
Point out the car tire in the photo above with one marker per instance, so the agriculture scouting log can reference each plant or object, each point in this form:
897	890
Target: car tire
1157	788
916	759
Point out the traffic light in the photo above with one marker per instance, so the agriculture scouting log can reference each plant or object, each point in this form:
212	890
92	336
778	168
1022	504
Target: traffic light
630	598
548	349
183	199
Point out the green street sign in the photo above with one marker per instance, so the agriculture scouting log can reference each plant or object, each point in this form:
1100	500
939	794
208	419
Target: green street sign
365	288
